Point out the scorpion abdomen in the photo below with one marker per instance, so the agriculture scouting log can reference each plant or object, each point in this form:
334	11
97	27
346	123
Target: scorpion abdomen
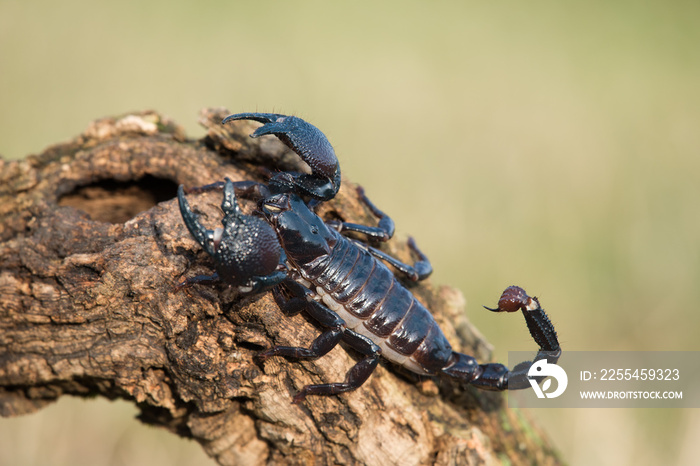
369	298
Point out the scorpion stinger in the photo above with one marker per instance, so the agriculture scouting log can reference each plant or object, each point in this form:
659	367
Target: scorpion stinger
497	376
310	144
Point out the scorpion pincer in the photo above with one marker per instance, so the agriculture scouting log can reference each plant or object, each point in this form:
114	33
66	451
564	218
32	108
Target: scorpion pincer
342	282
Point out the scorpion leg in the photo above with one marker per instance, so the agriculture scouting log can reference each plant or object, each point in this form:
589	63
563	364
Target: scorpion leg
259	283
497	376
420	270
199	279
336	331
357	375
382	232
329	339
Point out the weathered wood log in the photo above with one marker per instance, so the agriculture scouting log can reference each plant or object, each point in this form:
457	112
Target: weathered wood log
91	246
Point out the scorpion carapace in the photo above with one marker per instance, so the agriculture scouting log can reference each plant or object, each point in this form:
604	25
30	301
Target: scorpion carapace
341	282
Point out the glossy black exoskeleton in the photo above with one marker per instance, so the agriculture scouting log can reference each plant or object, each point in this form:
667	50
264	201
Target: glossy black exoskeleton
341	282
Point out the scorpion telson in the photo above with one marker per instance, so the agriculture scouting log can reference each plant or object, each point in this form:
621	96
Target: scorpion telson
341	282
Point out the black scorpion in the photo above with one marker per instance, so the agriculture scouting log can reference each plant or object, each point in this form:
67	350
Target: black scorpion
339	281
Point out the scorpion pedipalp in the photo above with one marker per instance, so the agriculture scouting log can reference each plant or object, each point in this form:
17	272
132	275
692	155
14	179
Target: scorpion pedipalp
205	237
246	250
310	144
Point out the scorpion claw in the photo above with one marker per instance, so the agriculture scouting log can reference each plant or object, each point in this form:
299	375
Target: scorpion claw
203	236
238	259
310	144
229	205
261	117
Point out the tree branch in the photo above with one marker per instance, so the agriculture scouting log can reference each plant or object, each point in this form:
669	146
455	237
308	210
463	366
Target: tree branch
91	246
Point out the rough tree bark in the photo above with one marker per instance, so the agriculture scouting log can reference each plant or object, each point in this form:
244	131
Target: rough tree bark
91	246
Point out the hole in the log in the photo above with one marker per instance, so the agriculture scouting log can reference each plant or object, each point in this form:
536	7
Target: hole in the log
118	201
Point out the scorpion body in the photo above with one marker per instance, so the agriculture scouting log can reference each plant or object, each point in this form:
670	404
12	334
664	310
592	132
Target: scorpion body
342	282
370	300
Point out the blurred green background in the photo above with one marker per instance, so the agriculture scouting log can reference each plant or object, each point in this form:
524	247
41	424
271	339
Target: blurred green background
553	145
